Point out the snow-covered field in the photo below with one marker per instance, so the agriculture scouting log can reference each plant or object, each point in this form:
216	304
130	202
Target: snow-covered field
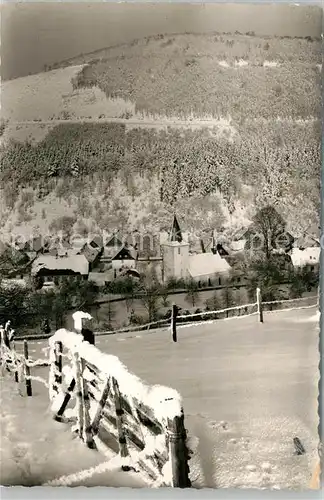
248	390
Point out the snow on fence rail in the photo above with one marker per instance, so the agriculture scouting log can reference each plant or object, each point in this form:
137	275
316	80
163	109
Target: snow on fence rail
114	408
291	304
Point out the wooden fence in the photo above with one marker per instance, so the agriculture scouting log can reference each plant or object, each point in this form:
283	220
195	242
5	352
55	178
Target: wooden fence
110	408
257	308
19	364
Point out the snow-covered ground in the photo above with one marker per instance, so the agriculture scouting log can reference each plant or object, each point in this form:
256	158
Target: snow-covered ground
248	390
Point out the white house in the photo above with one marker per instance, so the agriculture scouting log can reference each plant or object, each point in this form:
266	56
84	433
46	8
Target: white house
310	256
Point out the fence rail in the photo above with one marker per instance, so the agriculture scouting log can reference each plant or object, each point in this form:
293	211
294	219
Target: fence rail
254	308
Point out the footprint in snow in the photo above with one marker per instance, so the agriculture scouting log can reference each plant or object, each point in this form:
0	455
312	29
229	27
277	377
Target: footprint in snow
266	467
219	425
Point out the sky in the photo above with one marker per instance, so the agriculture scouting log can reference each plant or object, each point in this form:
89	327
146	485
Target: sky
38	34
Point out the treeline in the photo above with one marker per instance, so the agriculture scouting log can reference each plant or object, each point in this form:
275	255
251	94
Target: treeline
187	163
29	308
244	43
218	75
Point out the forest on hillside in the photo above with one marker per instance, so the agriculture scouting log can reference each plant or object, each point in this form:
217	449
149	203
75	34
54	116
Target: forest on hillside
166	168
268	152
236	75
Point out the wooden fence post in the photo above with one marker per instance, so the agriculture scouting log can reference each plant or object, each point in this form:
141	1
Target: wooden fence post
79	398
58	362
123	450
59	414
27	370
259	303
87	431
15	357
174	322
178	452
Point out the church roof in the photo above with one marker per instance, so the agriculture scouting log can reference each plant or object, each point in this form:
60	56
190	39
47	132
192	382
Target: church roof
204	264
175	234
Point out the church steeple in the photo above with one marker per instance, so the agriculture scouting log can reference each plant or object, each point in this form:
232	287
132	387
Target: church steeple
175	234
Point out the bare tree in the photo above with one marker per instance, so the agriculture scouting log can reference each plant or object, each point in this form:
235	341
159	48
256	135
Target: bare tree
149	289
269	228
192	295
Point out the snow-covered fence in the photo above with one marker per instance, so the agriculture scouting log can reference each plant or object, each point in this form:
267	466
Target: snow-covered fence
17	363
291	304
112	409
257	308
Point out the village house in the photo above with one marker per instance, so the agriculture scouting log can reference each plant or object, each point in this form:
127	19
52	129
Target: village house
307	241
56	247
147	245
244	239
32	247
14	263
307	257
115	254
124	258
52	268
91	248
110	248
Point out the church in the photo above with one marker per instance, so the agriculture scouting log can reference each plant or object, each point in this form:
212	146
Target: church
179	263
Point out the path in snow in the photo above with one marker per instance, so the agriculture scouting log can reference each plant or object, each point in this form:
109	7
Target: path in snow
36	449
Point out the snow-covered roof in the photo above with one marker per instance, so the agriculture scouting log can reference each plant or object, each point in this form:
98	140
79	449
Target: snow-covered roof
127	250
238	245
306	241
240	234
79	243
309	256
78	264
203	264
11	283
91	253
